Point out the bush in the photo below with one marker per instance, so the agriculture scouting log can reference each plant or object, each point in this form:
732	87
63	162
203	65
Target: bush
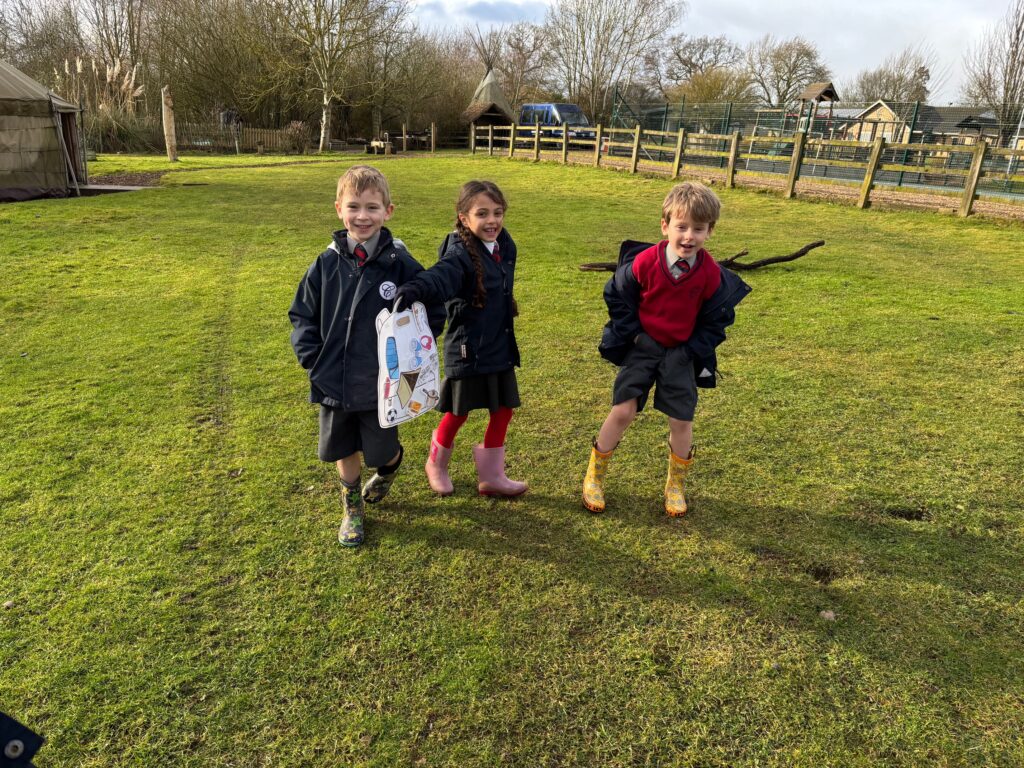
117	131
296	137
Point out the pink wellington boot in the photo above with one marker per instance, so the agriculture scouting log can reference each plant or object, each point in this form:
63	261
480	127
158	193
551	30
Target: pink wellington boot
490	469
437	468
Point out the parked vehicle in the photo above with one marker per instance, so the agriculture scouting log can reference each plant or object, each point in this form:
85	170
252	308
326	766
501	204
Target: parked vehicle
557	115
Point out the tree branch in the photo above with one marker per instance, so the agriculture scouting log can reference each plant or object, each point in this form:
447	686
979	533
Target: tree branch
731	262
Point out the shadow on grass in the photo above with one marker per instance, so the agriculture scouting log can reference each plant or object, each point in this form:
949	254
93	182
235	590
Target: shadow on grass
911	595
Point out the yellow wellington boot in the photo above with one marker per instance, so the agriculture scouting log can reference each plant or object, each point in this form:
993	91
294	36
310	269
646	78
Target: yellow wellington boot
593	483
675	486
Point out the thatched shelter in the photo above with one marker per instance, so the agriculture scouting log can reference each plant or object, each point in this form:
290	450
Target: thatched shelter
489	105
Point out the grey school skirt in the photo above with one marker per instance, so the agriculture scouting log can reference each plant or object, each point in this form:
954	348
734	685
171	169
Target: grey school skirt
490	391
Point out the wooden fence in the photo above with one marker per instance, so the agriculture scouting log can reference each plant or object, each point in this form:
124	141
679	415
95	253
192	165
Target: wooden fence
926	167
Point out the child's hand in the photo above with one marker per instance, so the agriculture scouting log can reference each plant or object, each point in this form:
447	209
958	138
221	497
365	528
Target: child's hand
406	294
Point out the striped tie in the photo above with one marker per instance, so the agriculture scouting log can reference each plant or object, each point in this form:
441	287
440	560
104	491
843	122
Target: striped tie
360	254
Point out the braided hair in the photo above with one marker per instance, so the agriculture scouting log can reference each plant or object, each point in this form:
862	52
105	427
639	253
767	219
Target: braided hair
469	192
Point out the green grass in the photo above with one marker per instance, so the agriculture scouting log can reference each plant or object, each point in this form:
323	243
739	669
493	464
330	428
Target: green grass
176	594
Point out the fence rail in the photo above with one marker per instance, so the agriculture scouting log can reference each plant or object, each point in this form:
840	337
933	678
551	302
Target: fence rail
966	169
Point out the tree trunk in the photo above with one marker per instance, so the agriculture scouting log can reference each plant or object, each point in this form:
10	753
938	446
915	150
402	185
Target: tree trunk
375	122
325	124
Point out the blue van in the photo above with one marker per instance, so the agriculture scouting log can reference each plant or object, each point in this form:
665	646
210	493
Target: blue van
557	115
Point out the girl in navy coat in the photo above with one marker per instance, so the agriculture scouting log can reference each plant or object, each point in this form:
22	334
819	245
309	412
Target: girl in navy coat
474	276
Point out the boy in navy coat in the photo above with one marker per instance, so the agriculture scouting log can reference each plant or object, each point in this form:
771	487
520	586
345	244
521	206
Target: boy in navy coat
669	307
335	338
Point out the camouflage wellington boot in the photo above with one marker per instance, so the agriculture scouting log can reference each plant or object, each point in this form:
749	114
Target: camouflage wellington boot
378	486
675	486
593	483
350	534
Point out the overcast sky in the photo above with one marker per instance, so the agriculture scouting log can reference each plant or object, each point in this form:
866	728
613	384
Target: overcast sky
852	35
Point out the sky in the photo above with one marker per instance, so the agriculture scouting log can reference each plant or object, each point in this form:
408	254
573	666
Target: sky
852	36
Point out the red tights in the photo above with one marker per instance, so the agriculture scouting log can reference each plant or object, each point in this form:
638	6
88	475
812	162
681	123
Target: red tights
494	437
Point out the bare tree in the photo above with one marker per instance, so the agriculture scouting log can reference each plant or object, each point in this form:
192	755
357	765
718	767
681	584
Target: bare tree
689	57
381	65
780	70
596	44
904	76
715	85
523	61
6	32
116	27
995	69
516	52
44	35
331	34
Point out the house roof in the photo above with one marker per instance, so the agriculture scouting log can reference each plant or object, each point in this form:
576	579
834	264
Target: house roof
488	98
819	92
953	119
16	86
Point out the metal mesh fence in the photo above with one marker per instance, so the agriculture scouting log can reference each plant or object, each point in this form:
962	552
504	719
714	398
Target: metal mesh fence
950	132
900	122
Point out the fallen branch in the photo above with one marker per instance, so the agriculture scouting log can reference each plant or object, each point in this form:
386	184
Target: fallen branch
731	262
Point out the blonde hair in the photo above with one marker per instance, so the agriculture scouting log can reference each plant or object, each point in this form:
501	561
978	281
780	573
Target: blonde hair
692	199
360	178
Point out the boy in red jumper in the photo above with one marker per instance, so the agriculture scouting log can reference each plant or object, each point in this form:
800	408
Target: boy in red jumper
669	309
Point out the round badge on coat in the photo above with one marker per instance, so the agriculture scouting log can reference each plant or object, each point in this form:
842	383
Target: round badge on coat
387	290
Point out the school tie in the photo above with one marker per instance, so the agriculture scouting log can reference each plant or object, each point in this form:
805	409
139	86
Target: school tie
360	254
495	254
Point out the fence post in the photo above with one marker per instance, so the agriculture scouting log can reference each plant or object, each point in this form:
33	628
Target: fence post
971	184
512	140
433	137
565	144
794	164
405	139
869	173
597	145
680	143
734	155
490	140
636	150
536	141
472	138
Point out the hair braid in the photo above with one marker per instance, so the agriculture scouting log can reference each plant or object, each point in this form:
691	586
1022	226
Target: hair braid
473	249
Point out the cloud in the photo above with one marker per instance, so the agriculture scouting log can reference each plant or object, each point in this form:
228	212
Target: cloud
442	14
501	13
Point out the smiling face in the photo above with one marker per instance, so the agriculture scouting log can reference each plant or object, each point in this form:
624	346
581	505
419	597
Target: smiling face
363	213
484	217
685	235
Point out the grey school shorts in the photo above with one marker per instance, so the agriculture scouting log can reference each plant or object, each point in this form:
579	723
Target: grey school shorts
649	363
343	433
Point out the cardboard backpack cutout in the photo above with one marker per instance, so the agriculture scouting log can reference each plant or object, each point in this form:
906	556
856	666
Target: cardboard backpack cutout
409	378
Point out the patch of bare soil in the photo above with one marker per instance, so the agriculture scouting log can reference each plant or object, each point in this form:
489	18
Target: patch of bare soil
136	179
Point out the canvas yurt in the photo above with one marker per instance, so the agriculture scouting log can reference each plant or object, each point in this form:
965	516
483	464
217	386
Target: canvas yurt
41	152
489	105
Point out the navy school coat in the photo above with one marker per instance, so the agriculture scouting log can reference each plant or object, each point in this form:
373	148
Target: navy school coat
622	295
334	315
478	341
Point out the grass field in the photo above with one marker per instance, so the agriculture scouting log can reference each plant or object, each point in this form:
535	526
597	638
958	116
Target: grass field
173	593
